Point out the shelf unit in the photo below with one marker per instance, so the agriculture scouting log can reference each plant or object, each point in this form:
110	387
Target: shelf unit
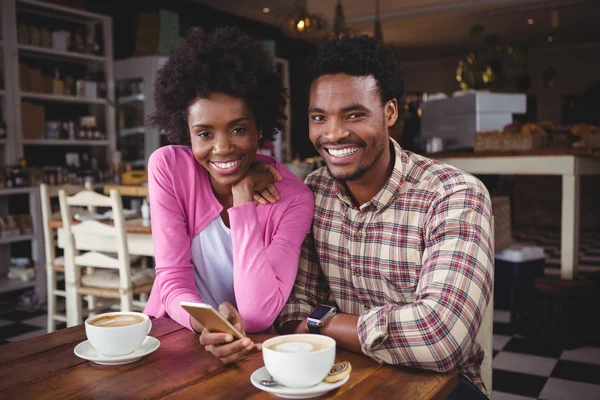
15	52
12	97
140	69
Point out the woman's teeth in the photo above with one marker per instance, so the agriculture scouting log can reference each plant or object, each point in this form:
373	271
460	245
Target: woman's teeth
225	165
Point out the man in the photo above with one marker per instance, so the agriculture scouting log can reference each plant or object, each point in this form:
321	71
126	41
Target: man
400	242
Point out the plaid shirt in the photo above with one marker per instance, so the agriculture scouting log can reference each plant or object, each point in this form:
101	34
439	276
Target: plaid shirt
415	263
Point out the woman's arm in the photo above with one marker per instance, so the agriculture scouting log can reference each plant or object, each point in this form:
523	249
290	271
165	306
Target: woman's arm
174	270
264	275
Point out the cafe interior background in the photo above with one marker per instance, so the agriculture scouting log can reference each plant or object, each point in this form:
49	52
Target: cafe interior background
508	90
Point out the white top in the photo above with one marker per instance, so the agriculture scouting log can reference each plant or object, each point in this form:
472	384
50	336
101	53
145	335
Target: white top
212	256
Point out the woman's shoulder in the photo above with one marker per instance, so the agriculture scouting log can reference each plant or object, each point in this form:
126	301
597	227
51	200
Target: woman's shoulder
171	156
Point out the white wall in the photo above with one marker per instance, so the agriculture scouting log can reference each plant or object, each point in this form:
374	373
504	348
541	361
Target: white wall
577	67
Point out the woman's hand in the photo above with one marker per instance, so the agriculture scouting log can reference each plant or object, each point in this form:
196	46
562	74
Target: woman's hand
257	185
223	345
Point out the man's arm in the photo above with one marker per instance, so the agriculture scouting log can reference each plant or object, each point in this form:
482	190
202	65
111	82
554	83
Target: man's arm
455	284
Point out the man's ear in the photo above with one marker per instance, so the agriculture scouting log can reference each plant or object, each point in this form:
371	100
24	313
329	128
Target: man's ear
391	112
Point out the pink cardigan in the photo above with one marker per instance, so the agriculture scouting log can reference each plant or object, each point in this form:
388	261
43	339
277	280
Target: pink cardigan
266	239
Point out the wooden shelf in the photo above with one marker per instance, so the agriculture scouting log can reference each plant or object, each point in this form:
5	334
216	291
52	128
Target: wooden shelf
130	99
132	131
9	285
56	11
46	51
61	98
20	238
66	142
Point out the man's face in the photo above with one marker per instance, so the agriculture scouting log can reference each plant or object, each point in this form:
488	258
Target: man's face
348	125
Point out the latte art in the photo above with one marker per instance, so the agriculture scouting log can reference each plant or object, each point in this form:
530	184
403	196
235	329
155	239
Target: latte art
111	321
297	345
294	347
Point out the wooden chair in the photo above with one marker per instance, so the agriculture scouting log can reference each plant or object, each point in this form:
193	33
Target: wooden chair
54	264
112	277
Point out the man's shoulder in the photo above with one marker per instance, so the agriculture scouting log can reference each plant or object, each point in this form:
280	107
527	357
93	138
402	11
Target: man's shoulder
439	176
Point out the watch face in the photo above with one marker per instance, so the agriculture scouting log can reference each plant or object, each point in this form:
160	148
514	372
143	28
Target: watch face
320	312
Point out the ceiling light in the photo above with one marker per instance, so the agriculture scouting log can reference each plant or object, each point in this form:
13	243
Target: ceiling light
530	21
266	10
300	22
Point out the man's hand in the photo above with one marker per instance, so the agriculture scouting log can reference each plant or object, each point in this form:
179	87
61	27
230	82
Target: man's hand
257	185
223	345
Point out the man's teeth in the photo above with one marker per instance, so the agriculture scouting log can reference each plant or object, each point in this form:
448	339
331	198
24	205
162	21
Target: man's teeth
226	165
343	152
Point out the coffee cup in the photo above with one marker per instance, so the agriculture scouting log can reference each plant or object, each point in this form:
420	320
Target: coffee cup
117	333
299	361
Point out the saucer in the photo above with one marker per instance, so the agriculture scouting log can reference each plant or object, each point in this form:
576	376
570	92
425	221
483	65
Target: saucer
290	393
86	351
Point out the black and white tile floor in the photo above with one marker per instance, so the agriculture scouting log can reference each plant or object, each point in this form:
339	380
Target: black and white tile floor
523	369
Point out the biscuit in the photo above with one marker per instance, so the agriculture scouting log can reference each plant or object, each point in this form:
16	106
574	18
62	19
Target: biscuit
338	372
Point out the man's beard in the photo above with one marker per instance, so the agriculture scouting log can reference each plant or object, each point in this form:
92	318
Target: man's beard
359	172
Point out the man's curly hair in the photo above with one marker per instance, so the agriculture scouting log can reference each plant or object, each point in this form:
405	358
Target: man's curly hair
358	56
226	61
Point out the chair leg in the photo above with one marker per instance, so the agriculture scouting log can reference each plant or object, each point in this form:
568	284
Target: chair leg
51	306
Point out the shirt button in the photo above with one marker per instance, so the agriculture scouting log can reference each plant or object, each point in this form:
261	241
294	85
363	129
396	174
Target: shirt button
357	272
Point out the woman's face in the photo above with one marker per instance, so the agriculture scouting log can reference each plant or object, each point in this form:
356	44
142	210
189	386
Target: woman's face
224	138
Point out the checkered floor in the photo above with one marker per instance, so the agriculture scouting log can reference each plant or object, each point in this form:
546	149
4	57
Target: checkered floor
523	369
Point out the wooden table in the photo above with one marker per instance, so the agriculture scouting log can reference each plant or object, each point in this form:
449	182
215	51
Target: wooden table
570	164
45	367
128	190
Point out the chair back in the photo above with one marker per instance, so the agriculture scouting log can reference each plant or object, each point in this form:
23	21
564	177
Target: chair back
47	193
97	238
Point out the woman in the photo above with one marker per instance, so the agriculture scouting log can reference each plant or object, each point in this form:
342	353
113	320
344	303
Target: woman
219	99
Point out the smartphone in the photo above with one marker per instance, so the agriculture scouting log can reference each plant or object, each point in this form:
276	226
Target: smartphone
210	318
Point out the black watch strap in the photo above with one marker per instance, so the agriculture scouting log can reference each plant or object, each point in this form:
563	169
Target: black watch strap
313	327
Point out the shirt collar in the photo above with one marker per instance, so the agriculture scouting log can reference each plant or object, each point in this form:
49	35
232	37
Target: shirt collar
389	192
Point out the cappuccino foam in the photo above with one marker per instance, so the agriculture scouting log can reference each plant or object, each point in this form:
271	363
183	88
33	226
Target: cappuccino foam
111	321
296	345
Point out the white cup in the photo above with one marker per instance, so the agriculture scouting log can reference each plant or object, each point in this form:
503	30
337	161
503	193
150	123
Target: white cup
117	340
292	361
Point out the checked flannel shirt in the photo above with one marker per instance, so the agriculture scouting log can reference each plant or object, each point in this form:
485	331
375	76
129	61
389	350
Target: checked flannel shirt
415	263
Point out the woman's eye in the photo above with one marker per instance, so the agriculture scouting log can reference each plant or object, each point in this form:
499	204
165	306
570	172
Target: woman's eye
239	130
204	134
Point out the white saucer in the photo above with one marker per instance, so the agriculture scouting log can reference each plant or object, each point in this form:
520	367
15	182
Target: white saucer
289	393
86	351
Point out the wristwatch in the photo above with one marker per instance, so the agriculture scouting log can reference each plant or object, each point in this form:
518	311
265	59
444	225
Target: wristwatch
319	317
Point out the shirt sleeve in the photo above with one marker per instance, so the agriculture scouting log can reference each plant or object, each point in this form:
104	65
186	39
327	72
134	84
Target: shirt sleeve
171	241
436	331
264	275
310	289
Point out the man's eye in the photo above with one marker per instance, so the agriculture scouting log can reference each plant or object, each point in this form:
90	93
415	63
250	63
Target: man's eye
355	115
318	118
